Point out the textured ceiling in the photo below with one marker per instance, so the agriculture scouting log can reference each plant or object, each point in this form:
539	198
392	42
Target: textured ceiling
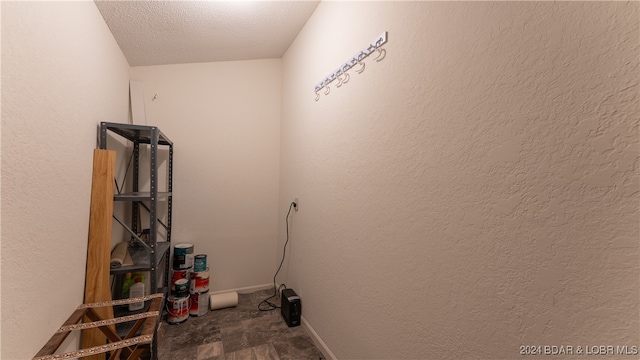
176	32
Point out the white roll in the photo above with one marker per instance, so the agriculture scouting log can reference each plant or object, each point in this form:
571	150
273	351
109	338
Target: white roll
219	301
120	256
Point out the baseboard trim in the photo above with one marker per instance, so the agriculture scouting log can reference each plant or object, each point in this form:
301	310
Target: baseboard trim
317	340
245	290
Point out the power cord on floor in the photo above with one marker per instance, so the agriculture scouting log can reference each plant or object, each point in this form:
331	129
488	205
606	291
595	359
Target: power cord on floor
276	291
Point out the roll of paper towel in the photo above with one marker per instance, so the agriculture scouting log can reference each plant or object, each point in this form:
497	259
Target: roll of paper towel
219	301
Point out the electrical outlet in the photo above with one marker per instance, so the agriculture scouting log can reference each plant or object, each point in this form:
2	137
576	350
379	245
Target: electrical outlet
297	201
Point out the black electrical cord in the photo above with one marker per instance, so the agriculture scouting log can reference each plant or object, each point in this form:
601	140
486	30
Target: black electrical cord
270	305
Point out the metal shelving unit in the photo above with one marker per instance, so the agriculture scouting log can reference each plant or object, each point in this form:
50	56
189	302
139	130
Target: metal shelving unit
154	256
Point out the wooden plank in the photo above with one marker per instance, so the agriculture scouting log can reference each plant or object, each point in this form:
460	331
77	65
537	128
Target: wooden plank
108	331
97	287
150	324
135	355
132	333
56	340
139	340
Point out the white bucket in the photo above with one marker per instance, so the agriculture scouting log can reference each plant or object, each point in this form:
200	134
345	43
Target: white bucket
178	309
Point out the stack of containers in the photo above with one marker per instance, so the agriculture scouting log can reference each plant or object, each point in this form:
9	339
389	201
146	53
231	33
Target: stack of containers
199	286
178	303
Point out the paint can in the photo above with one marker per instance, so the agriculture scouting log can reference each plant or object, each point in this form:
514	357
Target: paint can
199	282
178	309
182	256
200	262
181	287
177	275
199	304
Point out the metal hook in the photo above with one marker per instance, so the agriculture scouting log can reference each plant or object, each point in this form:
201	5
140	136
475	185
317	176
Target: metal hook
327	90
346	78
382	53
317	96
359	71
340	82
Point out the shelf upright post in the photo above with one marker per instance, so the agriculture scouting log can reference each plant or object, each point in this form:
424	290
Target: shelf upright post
103	136
135	186
153	216
170	205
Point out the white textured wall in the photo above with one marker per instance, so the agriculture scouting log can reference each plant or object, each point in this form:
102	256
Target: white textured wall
62	73
475	191
224	120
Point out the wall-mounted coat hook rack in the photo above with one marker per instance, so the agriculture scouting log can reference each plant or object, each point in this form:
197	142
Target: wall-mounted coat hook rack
341	74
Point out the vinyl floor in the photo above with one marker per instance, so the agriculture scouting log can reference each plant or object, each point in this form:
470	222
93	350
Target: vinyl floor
242	332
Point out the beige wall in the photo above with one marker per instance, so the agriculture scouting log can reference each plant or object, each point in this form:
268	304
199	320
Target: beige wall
62	73
224	119
475	191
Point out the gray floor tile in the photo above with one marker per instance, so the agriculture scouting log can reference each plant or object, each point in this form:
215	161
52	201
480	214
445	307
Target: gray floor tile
234	338
260	352
182	354
211	350
242	332
265	352
296	348
244	354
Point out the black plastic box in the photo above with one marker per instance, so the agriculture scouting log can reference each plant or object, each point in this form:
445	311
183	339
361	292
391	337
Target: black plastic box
290	307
